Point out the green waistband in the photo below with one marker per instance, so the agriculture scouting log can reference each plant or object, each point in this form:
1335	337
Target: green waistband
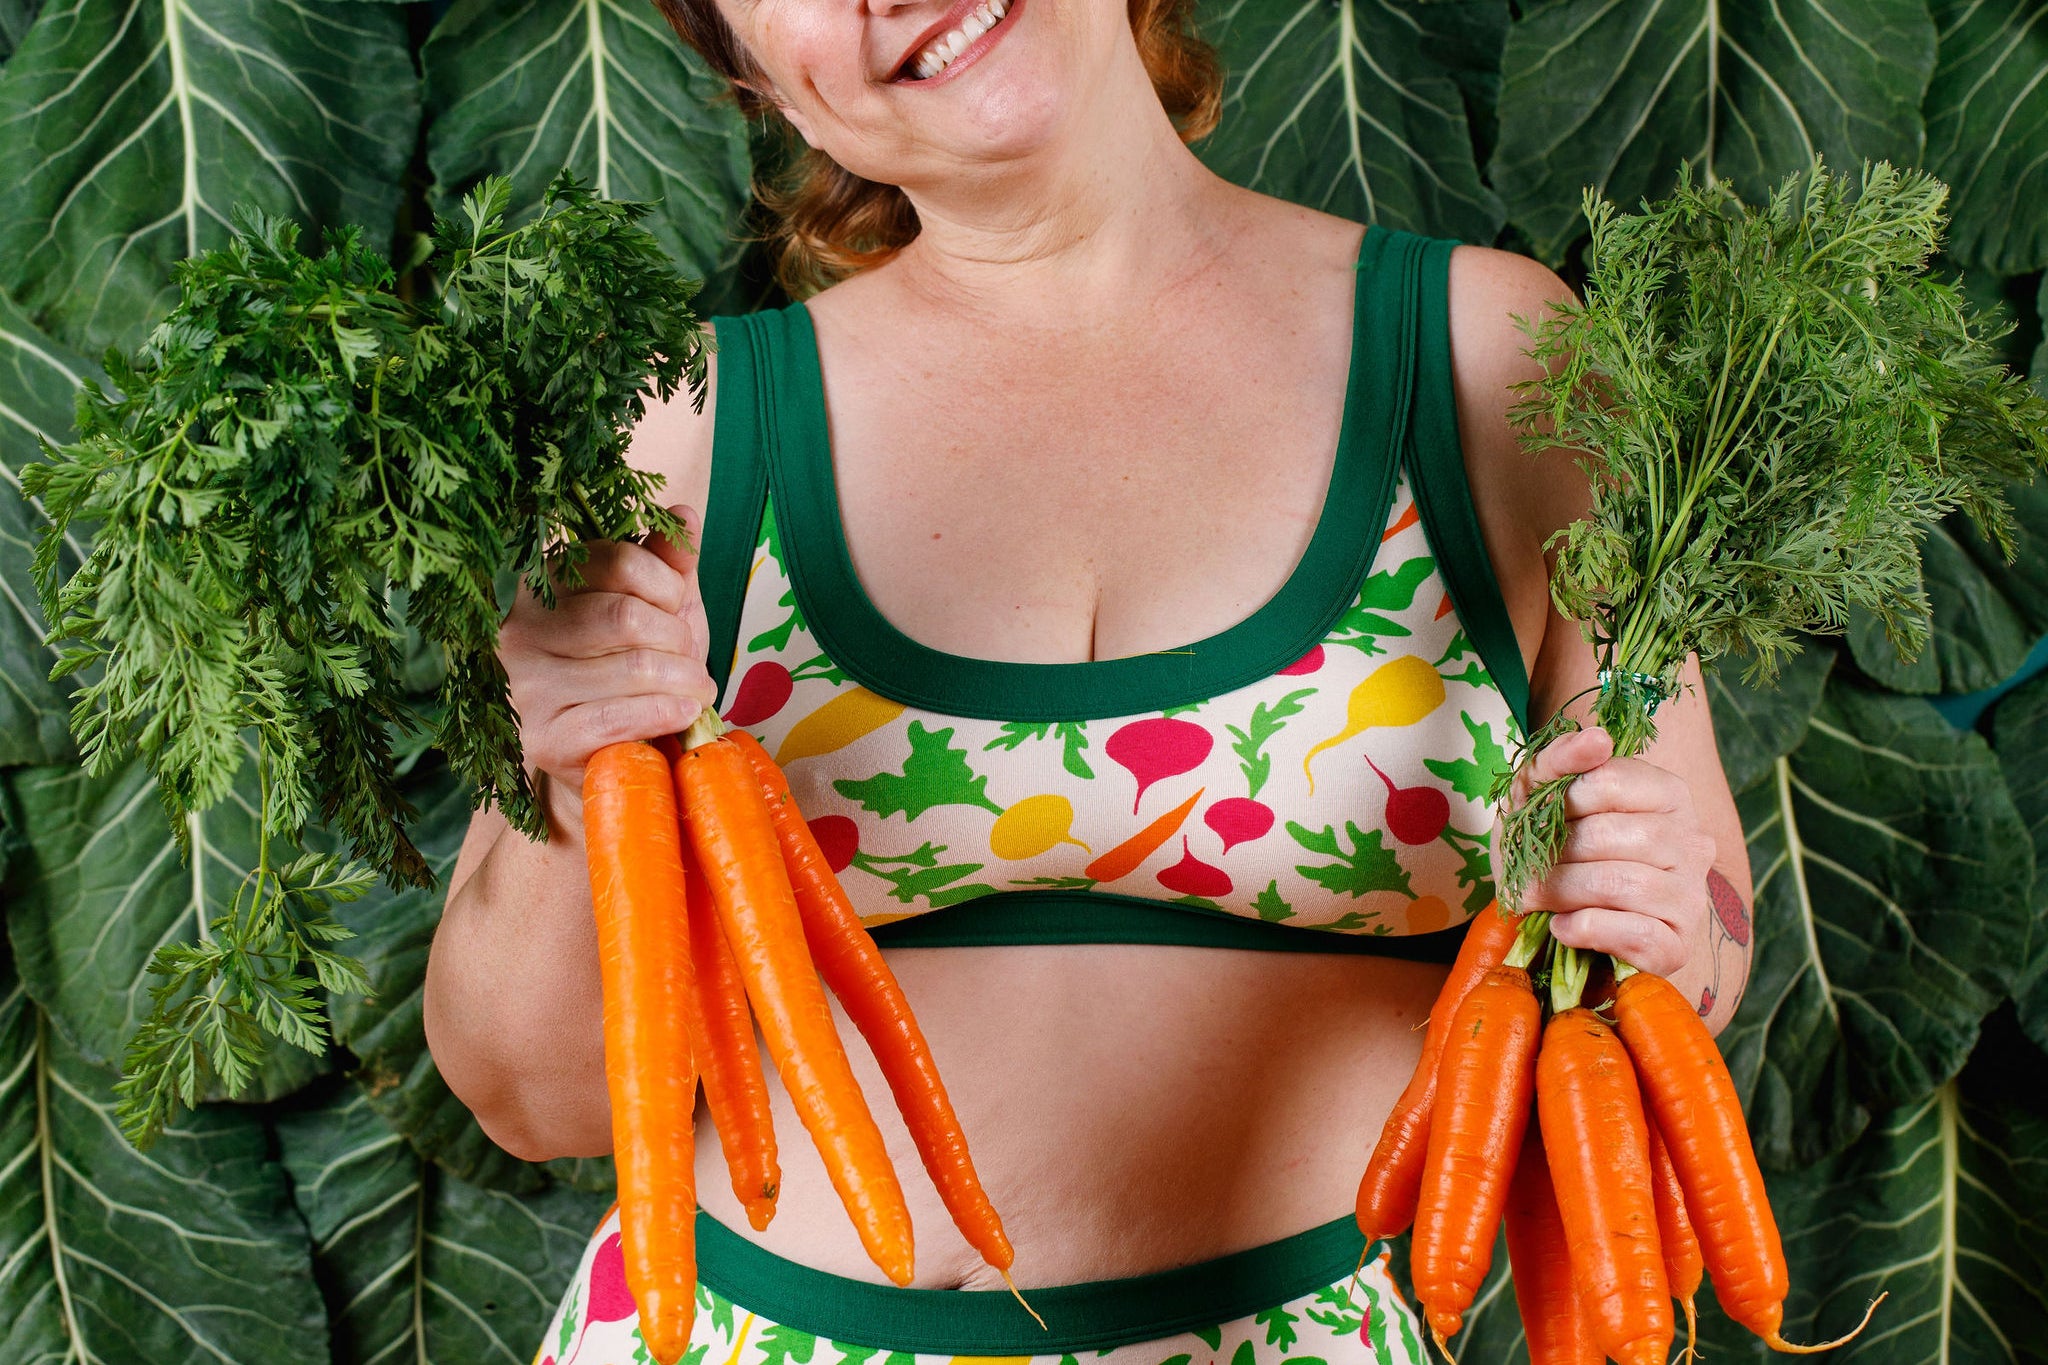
1091	1316
1019	917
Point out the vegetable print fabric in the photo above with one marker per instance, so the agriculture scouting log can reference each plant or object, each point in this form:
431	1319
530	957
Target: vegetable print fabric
1346	792
1351	1322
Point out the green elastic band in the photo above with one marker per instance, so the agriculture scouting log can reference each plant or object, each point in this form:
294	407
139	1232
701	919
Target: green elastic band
1021	917
1091	1316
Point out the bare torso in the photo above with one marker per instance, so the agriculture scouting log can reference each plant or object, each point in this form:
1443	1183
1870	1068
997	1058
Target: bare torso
1091	493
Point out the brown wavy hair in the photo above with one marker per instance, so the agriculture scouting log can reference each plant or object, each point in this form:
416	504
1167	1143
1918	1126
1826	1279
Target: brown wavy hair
822	223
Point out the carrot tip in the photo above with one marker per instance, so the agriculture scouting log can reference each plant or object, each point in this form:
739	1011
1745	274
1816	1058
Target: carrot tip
1441	1344
1019	1295
1778	1343
1691	1332
760	1213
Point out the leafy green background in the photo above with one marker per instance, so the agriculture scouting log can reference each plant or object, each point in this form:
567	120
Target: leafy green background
1891	1044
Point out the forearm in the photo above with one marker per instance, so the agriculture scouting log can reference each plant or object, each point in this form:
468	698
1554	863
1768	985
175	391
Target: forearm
1716	972
512	1007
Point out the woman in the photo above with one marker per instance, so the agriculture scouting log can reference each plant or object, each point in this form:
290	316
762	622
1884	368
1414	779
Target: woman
1088	403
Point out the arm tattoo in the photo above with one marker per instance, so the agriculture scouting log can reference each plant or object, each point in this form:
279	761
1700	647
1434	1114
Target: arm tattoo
1731	922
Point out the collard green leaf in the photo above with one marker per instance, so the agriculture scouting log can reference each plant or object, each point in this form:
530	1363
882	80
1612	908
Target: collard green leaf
104	884
418	1264
1358	107
191	1255
1891	876
38	378
131	129
1987	611
1987	130
386	1031
15	17
1940	1206
604	88
1615	93
1756	725
2020	735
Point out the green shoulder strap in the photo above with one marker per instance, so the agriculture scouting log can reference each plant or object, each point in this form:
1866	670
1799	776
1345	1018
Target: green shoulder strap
739	483
1435	460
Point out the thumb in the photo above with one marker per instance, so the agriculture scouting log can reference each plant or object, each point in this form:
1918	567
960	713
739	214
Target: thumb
680	557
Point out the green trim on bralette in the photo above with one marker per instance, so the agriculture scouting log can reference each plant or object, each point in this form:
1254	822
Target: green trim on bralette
856	636
741	422
1078	1317
1443	495
1019	917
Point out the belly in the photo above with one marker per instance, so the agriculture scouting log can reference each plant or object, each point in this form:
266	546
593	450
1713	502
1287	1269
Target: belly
1130	1108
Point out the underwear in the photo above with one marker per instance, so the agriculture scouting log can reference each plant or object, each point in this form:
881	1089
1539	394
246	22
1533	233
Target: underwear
1294	1300
1313	779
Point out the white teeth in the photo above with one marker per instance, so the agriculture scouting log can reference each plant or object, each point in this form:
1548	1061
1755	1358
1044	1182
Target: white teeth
940	54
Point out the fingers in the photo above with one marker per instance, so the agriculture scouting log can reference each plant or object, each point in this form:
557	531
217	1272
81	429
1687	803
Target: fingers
621	567
1642	941
592	624
1578	752
680	557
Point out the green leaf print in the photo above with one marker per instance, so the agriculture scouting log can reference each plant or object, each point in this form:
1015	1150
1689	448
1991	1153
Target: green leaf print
1337	1311
1249	743
780	1344
1170	1360
777	637
820	667
695	1355
1476	872
1072	735
1279	1325
861	1355
1055	883
921	874
1244	1354
569	1321
721	1314
1369	865
1271	905
1472	777
935	774
1362	622
1185	708
641	1355
1213	1336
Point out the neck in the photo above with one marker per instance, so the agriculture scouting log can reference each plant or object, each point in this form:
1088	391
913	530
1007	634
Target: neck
1114	210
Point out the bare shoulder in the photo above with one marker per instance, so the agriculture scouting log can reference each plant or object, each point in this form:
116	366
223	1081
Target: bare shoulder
673	439
1521	498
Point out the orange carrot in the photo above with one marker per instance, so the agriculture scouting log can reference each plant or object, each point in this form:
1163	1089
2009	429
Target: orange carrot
633	845
734	1088
1682	1263
735	844
1123	860
1393	1178
853	967
1599	1150
1552	1320
1482	1107
1693	1098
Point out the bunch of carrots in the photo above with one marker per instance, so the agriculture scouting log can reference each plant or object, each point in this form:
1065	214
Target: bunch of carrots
1609	1138
716	910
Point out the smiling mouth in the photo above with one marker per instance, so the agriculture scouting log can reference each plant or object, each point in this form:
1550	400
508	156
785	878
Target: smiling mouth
958	46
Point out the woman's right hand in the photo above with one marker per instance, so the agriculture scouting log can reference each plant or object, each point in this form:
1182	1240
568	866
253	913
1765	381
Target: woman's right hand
620	658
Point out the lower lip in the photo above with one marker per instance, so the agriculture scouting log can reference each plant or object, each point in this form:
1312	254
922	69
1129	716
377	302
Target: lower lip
970	55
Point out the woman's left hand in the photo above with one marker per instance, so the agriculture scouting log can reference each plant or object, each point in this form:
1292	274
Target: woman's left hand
1631	879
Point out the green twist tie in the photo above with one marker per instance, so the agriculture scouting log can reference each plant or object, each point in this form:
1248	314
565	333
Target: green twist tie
1647	688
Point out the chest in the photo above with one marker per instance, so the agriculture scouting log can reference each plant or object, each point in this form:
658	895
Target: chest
1132	495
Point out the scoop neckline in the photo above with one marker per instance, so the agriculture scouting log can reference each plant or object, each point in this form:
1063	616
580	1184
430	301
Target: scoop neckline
873	651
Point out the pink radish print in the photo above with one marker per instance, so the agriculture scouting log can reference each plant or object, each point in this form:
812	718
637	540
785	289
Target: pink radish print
1193	877
1307	663
764	691
610	1299
1161	747
838	839
1415	815
1239	820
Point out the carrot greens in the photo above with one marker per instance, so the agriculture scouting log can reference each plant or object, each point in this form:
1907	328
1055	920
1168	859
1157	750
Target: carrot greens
1772	404
297	465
